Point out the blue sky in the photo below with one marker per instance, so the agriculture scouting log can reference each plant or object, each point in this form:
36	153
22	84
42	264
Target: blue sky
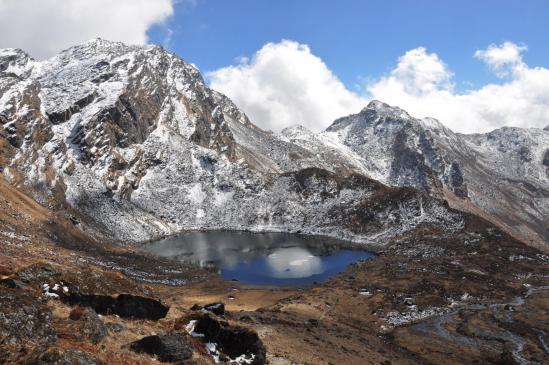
356	38
474	65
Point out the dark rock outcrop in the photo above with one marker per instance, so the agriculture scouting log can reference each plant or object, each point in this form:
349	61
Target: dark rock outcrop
125	305
209	327
90	326
131	306
12	283
216	308
173	347
233	341
63	116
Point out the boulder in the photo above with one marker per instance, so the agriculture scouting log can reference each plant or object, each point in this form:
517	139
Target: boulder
236	341
173	347
89	325
125	305
12	283
208	326
233	341
131	306
216	308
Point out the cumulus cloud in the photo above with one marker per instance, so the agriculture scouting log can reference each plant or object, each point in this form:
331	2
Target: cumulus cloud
285	84
504	60
44	27
421	73
521	99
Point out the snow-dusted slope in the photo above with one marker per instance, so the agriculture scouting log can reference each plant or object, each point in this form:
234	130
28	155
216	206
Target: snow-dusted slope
505	173
132	141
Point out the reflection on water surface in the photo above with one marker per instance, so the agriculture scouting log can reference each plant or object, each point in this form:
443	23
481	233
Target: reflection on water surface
261	258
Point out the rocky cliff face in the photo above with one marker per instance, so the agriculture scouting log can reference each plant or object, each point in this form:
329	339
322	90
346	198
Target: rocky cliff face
502	175
131	140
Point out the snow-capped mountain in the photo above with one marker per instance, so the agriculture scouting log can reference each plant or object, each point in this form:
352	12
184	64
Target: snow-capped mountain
502	175
131	141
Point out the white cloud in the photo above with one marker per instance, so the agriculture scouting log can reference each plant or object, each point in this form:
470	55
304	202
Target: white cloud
504	60
521	100
422	73
285	84
44	27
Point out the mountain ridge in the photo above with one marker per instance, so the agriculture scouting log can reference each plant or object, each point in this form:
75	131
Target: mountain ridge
510	162
131	138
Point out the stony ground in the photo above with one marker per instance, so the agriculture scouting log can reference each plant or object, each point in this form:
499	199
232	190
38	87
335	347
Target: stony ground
474	297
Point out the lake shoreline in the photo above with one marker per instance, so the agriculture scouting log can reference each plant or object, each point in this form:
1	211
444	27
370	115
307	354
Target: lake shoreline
272	259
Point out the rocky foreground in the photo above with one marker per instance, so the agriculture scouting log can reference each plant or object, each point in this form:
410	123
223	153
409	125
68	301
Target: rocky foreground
476	296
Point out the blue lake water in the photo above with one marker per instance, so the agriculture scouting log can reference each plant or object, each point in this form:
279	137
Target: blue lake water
276	259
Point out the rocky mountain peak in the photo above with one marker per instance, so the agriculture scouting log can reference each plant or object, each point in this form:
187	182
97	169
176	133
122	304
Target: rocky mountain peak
133	139
483	169
98	47
296	131
14	63
383	109
98	102
379	115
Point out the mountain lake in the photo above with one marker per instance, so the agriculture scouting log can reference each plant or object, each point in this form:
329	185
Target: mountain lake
272	259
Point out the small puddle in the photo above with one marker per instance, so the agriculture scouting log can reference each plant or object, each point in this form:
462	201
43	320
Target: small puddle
276	259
